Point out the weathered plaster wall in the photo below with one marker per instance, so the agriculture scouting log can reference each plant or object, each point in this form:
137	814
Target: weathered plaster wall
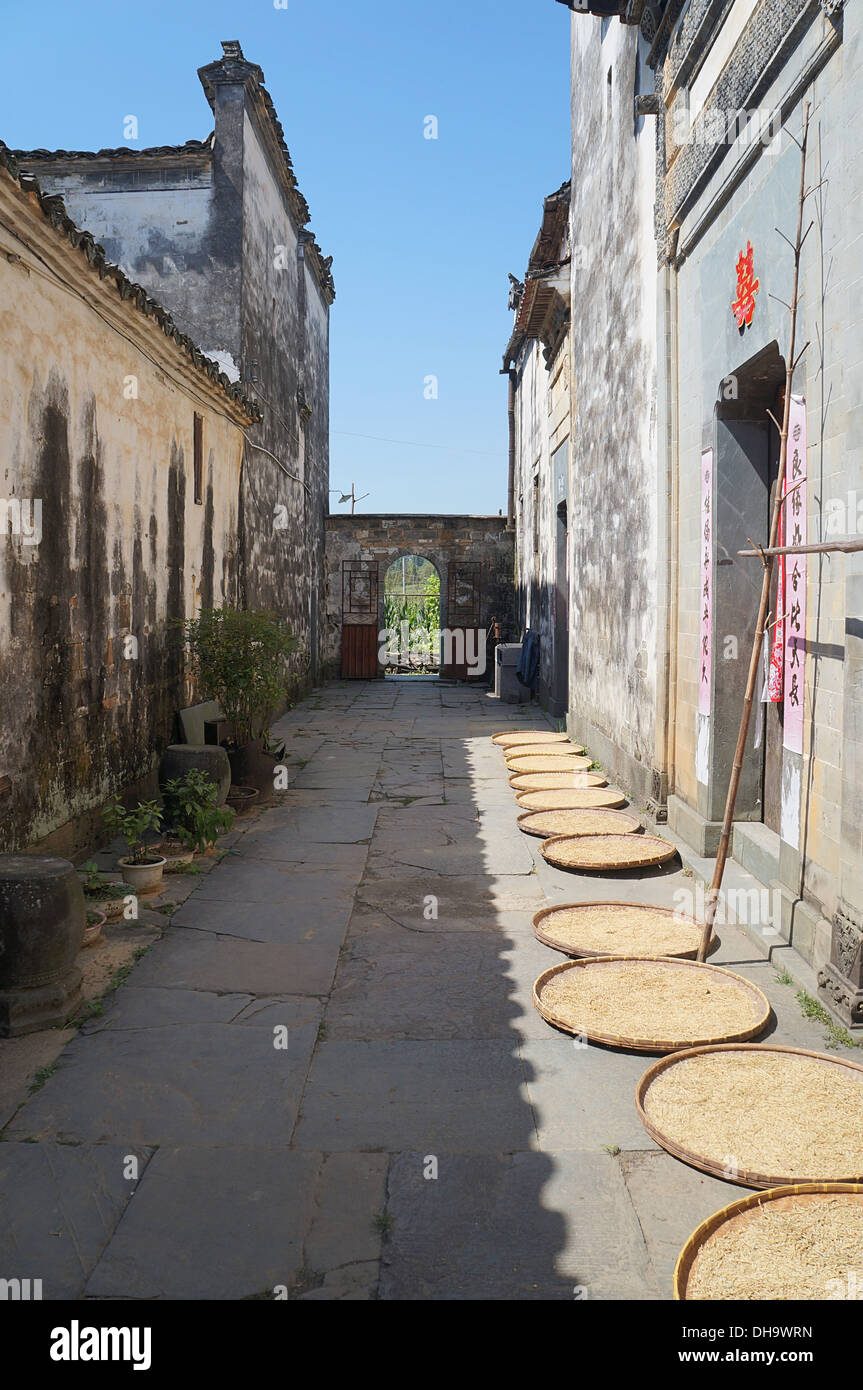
542	415
444	540
315	434
286	335
124	548
824	863
215	232
614	482
168	222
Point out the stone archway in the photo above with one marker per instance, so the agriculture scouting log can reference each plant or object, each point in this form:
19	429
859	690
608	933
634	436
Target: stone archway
473	555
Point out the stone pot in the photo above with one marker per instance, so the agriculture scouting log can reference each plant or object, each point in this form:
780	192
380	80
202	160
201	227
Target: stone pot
180	758
143	878
251	766
42	919
241	799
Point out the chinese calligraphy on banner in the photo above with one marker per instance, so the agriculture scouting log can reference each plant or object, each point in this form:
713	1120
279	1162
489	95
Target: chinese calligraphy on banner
796	510
777	651
706	574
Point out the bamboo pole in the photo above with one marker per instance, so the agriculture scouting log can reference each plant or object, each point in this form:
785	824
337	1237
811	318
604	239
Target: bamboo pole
822	548
767	561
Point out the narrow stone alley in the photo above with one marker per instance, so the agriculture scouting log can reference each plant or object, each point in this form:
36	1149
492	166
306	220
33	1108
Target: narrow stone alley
423	1134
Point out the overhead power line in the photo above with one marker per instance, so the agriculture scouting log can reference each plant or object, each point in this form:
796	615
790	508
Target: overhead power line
416	444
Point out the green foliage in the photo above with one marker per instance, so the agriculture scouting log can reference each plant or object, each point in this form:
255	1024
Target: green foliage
836	1034
98	885
41	1076
239	658
190	804
412	595
132	826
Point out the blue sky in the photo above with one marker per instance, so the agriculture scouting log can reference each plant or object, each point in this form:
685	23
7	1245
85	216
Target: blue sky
423	232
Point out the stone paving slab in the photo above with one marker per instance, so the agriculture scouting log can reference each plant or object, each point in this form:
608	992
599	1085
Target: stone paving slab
381	912
205	1083
23	1058
193	959
584	1097
490	792
248	881
466	902
61	1204
394	984
448	851
139	1007
408	789
329	825
169	1246
672	1200
299	921
517	1226
461	1095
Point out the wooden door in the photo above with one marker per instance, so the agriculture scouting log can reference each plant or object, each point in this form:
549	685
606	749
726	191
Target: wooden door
360	620
359	651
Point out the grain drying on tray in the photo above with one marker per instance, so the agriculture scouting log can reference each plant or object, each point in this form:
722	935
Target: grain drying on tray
779	1251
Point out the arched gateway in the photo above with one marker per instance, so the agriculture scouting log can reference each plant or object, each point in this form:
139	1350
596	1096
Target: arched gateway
447	577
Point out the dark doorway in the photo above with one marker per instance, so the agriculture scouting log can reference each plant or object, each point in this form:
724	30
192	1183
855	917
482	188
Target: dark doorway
747	464
560	688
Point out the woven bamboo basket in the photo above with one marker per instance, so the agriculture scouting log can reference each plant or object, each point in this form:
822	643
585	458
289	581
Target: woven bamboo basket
792	1195
570	762
549	928
606	853
593	796
545	750
746	1177
753	1018
512	737
572	821
543	781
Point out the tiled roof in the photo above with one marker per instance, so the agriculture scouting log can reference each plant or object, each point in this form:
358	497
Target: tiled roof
124	152
537	295
54	210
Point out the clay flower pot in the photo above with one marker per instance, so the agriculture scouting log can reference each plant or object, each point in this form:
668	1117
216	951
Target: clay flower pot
241	798
93	930
143	878
111	908
177	857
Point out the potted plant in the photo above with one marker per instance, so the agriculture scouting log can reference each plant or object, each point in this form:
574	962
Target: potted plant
239	657
142	868
195	818
100	893
93	930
